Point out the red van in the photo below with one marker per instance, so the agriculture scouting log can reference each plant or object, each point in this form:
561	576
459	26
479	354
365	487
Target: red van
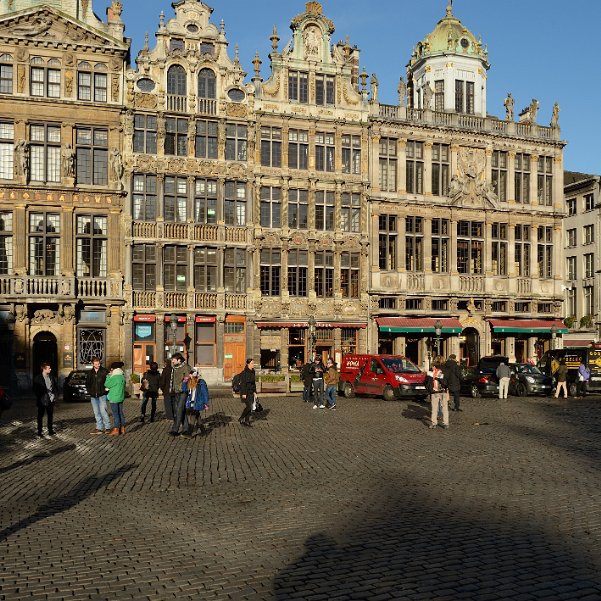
389	376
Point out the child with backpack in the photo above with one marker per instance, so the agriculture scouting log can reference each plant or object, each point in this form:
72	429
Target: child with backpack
437	386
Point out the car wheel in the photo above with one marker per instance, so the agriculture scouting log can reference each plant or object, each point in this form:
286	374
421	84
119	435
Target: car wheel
474	391
388	393
521	389
348	390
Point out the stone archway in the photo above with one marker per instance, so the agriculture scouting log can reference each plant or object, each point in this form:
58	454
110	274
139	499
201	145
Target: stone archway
44	348
470	346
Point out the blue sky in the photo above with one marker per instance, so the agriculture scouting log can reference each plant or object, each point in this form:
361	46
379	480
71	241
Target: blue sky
547	50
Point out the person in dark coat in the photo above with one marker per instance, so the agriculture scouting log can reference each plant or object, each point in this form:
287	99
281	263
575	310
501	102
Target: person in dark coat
151	380
95	380
452	375
168	399
45	389
306	375
248	389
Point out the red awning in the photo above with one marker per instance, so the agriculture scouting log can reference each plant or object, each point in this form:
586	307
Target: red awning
424	325
527	326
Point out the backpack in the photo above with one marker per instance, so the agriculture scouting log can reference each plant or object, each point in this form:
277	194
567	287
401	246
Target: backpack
237	383
429	384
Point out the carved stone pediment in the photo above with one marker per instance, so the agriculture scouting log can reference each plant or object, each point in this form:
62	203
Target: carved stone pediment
469	187
46	25
44	316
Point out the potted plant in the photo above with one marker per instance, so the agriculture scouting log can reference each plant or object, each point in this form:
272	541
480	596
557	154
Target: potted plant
570	321
272	382
134	378
296	384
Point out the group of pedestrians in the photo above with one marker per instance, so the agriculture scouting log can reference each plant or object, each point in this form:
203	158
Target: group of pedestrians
320	383
559	369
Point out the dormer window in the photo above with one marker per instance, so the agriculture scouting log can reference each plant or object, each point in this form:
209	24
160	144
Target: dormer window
176	44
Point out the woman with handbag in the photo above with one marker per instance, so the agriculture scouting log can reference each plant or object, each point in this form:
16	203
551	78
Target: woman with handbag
150	390
45	389
196	401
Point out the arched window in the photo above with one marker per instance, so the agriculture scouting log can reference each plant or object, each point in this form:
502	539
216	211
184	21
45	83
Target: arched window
207	84
176	81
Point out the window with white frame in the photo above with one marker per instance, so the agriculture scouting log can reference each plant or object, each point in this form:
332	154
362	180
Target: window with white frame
324	151
144	197
45	77
470	247
175	268
351	154
588	296
298	209
6	74
205	145
588	234
522	178
234	270
545	251
270	270
571	239
589	265
44	244
324	274
207	84
499	174
144	266
298	148
571	268
175	199
92	82
499	248
6	242
205	201
350	212
545	180
440	245
205	269
387	242
145	133
7	150
571	206
176	136
271	147
324	210
271	207
45	153
236	142
349	274
91	155
522	250
414	244
234	203
388	164
589	202
415	167
297	272
91	246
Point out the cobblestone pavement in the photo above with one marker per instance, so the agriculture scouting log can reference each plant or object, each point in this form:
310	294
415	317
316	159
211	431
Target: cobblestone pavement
360	503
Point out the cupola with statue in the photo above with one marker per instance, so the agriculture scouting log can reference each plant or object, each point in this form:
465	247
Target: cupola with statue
447	70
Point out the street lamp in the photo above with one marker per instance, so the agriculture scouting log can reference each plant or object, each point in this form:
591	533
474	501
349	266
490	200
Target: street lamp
553	336
438	332
312	335
173	326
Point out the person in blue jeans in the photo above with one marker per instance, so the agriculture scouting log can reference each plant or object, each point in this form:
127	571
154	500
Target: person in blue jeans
95	386
331	380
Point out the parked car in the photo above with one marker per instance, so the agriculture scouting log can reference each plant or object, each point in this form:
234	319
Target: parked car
476	382
390	376
74	387
527	379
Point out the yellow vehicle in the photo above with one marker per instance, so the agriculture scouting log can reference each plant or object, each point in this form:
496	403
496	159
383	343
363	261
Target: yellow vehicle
572	356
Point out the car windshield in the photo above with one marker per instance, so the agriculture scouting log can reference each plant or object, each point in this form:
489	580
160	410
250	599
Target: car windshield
78	377
527	369
397	366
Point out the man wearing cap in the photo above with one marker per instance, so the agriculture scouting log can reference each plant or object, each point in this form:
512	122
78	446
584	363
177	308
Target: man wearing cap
452	375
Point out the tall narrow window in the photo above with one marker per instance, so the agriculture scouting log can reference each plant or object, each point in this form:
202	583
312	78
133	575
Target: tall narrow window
176	136
388	164
324	210
236	140
145	134
205	201
6	74
351	154
464	97
349	274
298	86
205	269
589	202
440	245
522	178
45	78
415	167
205	145
387	242
270	271
234	203
6	242
499	248
91	155
297	209
522	251
144	207
143	269
271	147
588	234
440	169
7	150
207	84
571	268
571	237
499	174
589	265
175	199
91	239
439	95
234	270
297	272
175	268
545	181
589	300
45	153
470	247
92	82
414	244
324	89
44	244
324	274
350	212
545	251
459	96
298	148
324	152
271	206
176	81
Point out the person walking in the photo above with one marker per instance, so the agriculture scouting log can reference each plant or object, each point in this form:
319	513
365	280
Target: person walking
248	389
561	374
503	375
115	384
151	380
439	399
584	375
178	388
95	386
318	391
452	375
306	375
196	402
331	378
45	389
168	398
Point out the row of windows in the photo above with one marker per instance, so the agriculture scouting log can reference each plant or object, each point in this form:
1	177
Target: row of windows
588	235
588	204
470	243
588	301
588	265
298	88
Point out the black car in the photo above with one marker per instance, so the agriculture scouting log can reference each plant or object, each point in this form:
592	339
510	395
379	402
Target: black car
527	379
74	387
477	382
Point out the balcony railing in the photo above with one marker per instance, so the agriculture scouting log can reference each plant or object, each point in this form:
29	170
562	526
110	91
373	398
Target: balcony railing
194	301
177	104
471	283
207	106
195	232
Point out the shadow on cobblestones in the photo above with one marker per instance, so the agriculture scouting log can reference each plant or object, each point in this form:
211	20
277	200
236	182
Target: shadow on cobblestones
70	499
418	412
37	457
